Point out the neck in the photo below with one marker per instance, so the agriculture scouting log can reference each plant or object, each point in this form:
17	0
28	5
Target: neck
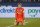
19	8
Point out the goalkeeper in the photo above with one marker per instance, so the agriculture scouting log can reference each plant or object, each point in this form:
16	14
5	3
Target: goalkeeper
19	14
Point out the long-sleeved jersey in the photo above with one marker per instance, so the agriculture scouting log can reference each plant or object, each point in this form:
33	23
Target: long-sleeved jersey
19	13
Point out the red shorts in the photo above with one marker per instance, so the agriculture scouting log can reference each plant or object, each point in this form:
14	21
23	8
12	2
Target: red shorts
19	20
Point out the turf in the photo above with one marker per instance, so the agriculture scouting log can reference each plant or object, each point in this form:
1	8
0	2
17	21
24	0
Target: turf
32	22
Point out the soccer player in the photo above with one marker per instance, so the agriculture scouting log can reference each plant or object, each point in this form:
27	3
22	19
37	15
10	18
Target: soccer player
19	14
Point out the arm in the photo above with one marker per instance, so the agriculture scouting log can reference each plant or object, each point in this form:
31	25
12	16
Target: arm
16	13
23	13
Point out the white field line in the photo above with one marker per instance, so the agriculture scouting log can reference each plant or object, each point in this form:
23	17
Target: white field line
26	22
13	25
7	26
10	26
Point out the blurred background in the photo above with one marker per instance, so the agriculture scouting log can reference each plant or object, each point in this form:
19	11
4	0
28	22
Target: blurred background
32	12
10	1
26	3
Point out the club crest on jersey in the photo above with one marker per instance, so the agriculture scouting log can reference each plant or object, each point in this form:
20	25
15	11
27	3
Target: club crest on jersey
20	10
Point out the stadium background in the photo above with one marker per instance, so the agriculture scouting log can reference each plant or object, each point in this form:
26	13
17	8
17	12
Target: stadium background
7	8
7	13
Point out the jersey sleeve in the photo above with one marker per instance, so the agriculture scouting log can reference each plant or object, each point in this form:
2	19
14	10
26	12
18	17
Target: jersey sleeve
23	12
16	13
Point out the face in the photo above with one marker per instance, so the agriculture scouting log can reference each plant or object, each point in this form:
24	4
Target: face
19	6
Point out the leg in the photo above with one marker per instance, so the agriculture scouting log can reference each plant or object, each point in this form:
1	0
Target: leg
16	23
23	23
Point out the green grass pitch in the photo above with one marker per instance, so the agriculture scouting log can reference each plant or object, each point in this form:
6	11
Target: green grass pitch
8	22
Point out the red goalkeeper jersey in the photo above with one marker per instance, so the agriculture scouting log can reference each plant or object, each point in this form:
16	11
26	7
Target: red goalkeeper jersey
19	13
